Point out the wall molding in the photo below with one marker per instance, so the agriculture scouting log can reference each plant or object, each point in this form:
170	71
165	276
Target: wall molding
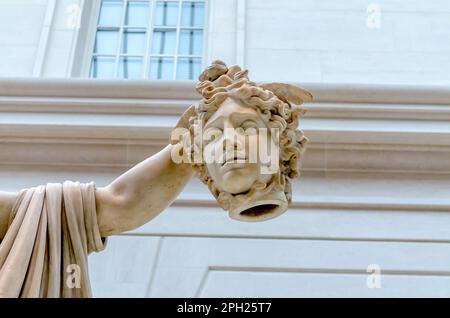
351	127
81	53
323	92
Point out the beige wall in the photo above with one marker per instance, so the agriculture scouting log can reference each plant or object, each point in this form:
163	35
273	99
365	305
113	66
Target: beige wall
331	41
289	40
21	24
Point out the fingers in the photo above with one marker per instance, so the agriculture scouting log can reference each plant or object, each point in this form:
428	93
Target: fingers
184	120
183	124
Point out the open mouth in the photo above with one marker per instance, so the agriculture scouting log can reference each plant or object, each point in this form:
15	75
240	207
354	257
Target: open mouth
235	159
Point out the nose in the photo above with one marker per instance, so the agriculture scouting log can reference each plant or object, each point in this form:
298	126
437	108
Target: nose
231	140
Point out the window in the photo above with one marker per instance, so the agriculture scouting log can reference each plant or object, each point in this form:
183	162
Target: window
149	39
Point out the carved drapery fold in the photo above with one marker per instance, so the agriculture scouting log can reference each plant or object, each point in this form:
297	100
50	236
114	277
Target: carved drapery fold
52	230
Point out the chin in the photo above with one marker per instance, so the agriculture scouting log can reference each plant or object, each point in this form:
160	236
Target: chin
236	181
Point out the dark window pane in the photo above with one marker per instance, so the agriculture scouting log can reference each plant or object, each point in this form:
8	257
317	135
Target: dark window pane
106	42
102	67
111	13
137	13
161	68
130	68
133	42
191	42
193	14
164	42
188	68
166	13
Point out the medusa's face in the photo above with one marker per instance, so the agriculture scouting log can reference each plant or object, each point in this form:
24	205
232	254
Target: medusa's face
233	135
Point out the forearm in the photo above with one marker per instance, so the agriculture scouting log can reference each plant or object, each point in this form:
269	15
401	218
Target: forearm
141	193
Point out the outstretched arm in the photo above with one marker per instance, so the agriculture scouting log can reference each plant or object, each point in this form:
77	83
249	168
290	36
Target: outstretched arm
135	197
132	199
141	193
144	191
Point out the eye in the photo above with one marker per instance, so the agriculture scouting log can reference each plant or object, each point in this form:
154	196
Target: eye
249	127
211	135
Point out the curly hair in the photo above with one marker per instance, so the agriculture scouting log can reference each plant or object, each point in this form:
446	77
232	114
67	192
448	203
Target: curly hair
217	83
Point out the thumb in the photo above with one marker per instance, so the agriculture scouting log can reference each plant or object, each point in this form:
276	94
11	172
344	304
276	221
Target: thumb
183	122
184	119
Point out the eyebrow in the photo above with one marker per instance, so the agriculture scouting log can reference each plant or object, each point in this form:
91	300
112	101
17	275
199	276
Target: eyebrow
253	116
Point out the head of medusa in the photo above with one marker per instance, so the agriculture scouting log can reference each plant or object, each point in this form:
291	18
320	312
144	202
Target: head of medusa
250	146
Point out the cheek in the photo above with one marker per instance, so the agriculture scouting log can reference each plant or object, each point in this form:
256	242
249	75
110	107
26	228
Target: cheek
275	146
214	171
255	146
208	152
239	180
251	148
266	142
212	154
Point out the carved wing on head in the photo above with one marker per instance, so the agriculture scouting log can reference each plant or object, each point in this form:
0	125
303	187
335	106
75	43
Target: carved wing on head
288	92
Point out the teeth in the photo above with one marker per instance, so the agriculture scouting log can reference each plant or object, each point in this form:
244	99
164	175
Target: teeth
233	160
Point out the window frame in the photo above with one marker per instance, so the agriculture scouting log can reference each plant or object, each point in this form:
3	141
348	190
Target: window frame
90	38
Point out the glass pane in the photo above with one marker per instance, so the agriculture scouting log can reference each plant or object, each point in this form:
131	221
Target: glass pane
161	68
133	42
130	68
166	13
193	14
111	13
106	42
188	69
102	67
164	42
137	13
191	42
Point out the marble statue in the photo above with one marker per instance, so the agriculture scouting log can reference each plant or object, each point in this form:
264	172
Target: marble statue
230	118
47	232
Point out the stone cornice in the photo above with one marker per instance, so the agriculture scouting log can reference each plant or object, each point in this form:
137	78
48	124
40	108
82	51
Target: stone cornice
349	125
323	92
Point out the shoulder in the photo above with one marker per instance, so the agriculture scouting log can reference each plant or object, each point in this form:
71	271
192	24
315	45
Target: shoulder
7	200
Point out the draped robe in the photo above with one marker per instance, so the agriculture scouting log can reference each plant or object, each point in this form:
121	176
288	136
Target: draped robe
52	230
